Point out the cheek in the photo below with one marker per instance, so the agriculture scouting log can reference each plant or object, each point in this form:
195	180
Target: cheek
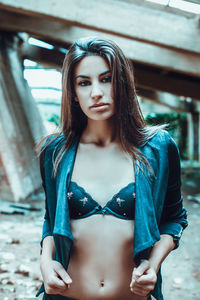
83	106
83	103
82	93
110	91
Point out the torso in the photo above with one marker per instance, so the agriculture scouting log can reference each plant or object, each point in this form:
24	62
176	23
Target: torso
101	261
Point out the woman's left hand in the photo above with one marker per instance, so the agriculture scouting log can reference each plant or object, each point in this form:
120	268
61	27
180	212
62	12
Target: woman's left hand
143	279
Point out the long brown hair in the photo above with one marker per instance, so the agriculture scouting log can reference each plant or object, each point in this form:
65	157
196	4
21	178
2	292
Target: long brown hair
131	128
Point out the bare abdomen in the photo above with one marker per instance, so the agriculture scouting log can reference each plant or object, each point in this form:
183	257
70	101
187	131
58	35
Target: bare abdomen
101	262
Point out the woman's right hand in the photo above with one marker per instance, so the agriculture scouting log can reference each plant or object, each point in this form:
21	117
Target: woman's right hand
56	279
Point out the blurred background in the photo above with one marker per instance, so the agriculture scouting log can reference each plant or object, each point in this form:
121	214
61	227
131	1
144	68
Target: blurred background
162	39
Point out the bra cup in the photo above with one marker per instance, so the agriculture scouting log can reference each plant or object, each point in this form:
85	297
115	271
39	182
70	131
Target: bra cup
81	203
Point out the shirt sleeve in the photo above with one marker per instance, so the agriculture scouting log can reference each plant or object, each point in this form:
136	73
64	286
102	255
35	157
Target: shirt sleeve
174	215
46	230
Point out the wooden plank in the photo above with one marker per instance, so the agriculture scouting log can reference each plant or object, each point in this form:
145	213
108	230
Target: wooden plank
150	54
127	20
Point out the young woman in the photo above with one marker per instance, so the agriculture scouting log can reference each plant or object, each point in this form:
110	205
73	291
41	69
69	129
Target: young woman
113	203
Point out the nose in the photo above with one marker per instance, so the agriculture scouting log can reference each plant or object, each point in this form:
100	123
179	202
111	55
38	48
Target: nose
96	92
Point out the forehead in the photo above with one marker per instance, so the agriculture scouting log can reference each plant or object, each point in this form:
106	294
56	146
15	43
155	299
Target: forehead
92	64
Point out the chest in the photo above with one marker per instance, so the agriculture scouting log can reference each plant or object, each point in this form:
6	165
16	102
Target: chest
102	172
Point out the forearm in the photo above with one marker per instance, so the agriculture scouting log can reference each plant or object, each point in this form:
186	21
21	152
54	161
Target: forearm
160	251
48	248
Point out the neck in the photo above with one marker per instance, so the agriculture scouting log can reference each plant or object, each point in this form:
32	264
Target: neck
101	133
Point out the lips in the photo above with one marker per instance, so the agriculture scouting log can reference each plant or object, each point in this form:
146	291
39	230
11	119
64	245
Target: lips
99	104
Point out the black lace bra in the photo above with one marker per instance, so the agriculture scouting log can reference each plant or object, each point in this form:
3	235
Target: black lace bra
82	205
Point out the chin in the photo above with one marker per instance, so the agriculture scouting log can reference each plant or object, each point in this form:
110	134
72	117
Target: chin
100	117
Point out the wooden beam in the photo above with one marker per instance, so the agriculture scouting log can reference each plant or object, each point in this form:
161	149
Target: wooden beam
149	54
127	20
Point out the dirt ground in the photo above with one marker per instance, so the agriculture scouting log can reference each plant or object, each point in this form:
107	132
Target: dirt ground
20	251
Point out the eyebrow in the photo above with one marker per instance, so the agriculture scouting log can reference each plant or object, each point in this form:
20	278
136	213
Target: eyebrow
85	76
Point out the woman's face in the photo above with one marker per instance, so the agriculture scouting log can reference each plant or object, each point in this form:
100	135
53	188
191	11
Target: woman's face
93	88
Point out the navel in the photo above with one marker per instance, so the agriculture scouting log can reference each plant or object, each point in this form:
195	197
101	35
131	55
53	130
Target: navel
102	283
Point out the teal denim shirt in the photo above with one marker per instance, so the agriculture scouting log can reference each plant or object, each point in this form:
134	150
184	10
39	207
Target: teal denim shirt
159	204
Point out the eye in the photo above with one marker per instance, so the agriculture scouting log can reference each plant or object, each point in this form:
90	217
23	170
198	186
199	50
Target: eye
106	79
84	83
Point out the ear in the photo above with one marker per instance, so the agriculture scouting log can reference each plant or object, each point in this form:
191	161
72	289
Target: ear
76	99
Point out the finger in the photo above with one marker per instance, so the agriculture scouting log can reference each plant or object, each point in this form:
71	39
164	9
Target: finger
56	283
139	271
148	287
55	291
147	279
140	292
142	268
64	275
55	286
132	283
133	278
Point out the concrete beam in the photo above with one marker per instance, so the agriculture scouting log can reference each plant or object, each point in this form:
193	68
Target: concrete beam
168	100
46	57
174	83
146	78
193	1
54	31
172	30
164	7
